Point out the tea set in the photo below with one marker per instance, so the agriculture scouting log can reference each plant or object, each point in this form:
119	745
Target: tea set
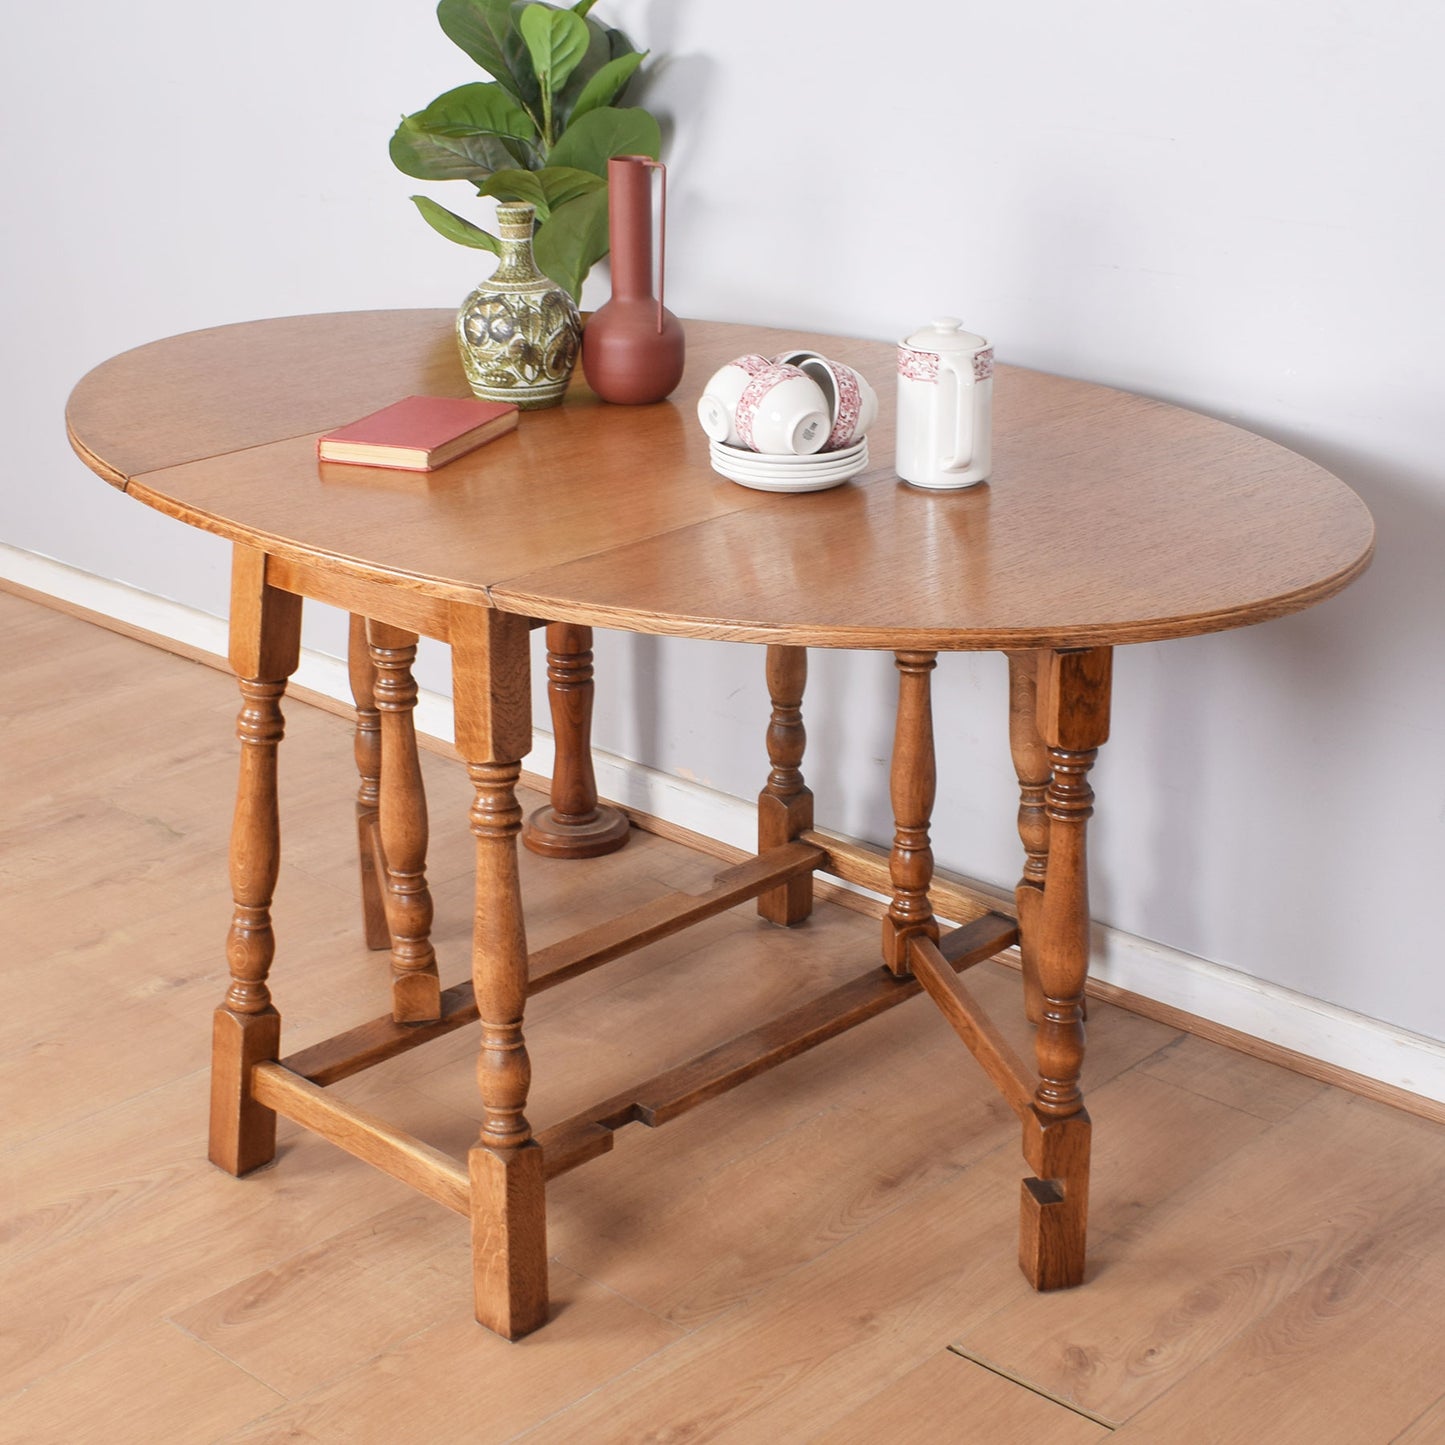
795	423
798	422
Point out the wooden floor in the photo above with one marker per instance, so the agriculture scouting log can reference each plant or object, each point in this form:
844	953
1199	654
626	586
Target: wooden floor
826	1254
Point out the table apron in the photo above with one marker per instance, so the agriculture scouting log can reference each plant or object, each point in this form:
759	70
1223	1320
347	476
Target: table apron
383	601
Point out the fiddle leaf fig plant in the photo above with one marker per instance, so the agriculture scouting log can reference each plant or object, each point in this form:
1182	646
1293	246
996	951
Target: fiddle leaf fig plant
542	129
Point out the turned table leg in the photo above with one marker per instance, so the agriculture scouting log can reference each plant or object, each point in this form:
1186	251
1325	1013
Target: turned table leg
574	824
264	651
1031	764
1073	720
912	784
402	823
785	806
508	1200
368	794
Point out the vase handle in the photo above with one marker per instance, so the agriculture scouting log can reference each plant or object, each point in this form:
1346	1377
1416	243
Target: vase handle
661	237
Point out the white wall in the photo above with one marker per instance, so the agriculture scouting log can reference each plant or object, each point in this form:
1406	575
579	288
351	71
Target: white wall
1235	206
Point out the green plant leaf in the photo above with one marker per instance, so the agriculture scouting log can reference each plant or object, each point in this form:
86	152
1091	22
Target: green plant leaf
598	54
517	186
562	184
602	45
573	240
480	27
594	138
556	40
607	84
454	228
546	189
481	108
519	60
583	6
430	157
524	153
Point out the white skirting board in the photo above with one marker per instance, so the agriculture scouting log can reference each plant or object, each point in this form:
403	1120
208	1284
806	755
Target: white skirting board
1392	1056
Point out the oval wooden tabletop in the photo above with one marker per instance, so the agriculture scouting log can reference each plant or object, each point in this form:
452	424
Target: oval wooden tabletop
1109	518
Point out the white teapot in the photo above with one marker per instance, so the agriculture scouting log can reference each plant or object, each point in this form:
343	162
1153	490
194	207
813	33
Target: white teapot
945	407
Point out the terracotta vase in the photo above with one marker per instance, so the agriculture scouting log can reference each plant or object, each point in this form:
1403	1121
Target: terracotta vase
632	347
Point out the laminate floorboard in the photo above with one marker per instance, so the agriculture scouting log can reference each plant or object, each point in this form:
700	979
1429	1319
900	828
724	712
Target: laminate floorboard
949	1398
825	1254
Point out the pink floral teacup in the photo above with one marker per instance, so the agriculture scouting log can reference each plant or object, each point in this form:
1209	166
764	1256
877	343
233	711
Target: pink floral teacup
755	404
852	403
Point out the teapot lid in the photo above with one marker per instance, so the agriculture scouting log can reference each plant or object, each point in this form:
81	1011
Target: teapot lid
945	333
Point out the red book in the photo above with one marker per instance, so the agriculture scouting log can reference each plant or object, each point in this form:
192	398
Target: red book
418	433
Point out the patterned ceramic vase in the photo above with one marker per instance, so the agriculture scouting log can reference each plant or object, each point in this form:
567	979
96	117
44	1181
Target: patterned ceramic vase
519	333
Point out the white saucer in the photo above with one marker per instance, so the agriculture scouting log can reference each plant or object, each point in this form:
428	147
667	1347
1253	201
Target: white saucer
772	473
785	460
763	468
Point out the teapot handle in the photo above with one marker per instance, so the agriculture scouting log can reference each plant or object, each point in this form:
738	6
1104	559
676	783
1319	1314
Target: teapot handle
960	424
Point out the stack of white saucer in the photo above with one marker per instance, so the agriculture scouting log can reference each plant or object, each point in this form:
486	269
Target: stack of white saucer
795	423
783	473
